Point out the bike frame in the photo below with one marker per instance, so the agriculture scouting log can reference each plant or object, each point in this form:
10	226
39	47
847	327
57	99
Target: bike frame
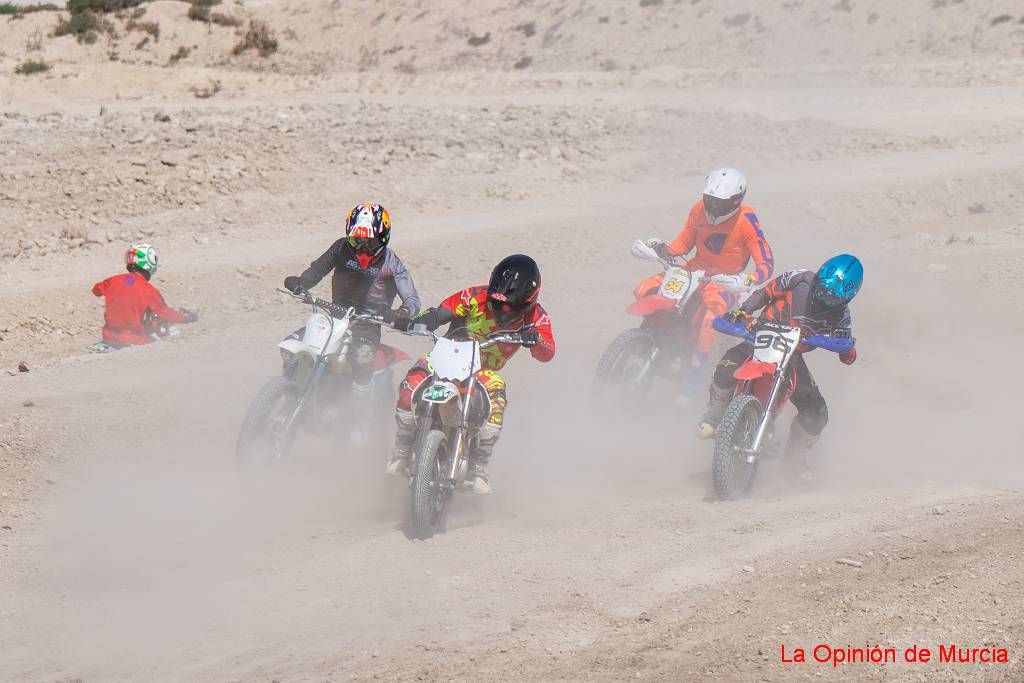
425	419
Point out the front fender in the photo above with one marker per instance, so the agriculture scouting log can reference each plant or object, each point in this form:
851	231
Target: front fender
297	347
754	369
649	304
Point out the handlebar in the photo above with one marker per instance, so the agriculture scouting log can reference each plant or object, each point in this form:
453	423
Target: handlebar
337	310
497	338
838	345
725	326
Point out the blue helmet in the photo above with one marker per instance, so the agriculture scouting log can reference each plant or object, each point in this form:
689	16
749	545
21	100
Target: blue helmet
839	280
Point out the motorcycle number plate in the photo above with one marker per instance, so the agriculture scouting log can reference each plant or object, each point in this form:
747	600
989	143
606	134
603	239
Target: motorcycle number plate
439	393
775	343
318	331
676	284
454	360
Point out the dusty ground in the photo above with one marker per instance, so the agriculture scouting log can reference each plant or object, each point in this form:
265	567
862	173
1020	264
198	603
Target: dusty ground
129	549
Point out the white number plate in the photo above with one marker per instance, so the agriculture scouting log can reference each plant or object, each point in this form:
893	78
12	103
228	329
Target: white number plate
776	343
676	284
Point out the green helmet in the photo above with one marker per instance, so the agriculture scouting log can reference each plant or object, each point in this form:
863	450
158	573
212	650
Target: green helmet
142	256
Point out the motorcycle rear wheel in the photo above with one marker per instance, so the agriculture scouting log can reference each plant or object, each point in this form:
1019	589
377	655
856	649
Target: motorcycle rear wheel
429	499
730	471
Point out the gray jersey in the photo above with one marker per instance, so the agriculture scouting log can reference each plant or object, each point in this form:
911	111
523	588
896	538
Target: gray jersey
373	288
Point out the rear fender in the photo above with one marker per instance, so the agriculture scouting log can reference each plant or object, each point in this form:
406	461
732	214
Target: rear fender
387	356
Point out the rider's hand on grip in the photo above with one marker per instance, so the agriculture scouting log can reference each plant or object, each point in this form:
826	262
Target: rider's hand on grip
737	316
659	248
401	320
530	337
293	283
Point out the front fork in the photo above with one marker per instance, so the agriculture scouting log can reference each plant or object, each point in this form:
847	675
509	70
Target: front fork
648	364
288	430
755	446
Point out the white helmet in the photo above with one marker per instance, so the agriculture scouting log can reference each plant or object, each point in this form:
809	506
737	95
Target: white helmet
724	189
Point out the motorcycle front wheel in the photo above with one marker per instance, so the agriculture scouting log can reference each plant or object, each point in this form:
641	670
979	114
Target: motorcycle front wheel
731	472
261	438
626	366
429	497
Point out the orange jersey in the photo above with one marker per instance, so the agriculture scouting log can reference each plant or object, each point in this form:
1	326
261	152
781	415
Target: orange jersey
725	248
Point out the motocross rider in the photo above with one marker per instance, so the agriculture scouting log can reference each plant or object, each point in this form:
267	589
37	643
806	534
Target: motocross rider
817	302
726	234
131	301
367	275
508	303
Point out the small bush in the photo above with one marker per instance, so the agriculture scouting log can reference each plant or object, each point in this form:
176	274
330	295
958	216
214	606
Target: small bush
34	42
8	8
199	13
179	55
150	27
225	20
31	67
84	26
259	37
102	6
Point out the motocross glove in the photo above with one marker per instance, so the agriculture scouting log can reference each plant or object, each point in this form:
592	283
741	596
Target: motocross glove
659	248
848	357
736	315
293	283
190	316
530	337
401	319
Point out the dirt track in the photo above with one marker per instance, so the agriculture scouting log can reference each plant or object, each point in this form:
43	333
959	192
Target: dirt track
130	550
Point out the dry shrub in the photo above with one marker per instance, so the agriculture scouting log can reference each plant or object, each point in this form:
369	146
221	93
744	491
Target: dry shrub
199	13
84	26
181	54
225	20
150	27
77	6
32	67
259	37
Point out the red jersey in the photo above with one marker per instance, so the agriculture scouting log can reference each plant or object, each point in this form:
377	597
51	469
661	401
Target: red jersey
478	320
128	297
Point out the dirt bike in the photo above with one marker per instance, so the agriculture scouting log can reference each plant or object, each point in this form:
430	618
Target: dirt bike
314	384
672	313
156	327
767	381
450	406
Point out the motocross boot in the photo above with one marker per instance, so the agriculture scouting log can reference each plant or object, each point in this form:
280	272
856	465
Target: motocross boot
477	477
359	407
398	461
798	449
692	379
718	400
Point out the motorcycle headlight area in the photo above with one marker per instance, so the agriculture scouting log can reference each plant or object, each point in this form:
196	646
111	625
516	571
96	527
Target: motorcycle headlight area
318	330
